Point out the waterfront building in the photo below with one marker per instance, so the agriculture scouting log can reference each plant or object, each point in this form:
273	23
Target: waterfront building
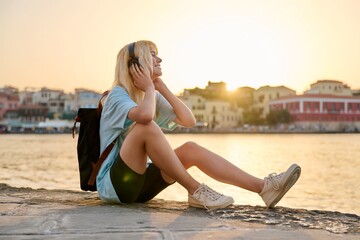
213	107
355	92
56	105
85	98
30	113
69	103
213	114
9	90
222	115
8	102
265	94
26	96
22	111
321	112
214	90
52	99
27	117
243	97
45	96
332	87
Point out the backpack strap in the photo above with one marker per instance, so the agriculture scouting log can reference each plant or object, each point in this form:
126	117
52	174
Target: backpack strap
77	119
96	167
100	105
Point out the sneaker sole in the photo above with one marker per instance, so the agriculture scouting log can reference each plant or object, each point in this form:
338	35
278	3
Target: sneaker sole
293	177
224	205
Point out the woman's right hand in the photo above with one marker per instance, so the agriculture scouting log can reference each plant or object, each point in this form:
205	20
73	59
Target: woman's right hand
144	112
141	77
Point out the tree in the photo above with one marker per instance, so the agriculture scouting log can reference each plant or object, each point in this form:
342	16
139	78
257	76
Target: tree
253	117
279	116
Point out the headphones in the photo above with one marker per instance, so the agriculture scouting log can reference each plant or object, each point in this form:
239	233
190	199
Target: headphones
133	59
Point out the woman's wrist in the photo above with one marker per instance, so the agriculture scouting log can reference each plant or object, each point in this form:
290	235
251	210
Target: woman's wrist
162	88
150	88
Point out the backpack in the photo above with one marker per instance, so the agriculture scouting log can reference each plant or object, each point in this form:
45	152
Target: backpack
88	145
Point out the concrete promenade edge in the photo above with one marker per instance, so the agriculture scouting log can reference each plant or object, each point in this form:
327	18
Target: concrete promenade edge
27	213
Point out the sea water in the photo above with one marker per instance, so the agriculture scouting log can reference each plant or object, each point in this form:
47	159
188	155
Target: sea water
330	163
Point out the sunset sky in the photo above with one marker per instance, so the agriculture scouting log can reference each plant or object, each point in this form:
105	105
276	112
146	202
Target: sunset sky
67	44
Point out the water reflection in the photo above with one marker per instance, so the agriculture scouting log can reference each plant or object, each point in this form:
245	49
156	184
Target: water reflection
330	166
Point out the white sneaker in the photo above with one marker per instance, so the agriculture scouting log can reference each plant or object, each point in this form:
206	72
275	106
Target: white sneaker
205	197
276	186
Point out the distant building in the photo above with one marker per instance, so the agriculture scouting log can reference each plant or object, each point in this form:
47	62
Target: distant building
265	94
9	90
49	98
56	105
8	102
69	103
221	115
85	98
214	90
26	96
332	87
321	112
30	113
243	97
24	111
356	92
213	114
213	107
52	99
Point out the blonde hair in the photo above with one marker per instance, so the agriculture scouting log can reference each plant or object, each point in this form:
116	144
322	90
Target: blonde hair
122	74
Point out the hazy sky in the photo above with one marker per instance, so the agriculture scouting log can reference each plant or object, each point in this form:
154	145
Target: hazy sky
65	44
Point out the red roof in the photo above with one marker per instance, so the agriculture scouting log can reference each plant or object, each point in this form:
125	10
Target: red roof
317	96
10	97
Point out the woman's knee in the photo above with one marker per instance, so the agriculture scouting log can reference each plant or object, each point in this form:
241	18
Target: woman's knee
150	128
187	153
189	146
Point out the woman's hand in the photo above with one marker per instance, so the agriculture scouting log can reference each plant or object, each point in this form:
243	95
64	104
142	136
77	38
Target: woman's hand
159	84
184	116
144	112
141	77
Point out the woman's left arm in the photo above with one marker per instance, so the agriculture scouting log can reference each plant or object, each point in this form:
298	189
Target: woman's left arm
184	116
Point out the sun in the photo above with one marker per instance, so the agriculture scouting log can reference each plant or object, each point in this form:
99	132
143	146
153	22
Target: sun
232	86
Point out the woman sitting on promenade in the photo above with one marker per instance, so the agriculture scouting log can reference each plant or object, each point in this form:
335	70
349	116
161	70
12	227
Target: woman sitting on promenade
138	106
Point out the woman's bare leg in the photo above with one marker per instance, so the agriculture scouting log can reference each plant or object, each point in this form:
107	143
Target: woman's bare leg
192	154
148	139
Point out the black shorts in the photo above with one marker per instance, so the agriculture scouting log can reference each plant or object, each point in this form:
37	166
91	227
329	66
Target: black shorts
133	187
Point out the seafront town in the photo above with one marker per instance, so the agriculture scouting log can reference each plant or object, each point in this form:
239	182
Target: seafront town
328	106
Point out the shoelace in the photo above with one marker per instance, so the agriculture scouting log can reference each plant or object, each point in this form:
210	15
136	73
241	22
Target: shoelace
209	193
274	178
214	195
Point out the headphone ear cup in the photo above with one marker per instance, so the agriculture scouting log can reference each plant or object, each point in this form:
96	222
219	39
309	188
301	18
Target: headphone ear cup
133	61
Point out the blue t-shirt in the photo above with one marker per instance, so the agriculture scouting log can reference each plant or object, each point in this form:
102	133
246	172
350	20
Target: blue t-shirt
114	123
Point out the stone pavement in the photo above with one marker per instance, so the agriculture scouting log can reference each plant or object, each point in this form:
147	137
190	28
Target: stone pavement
49	214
